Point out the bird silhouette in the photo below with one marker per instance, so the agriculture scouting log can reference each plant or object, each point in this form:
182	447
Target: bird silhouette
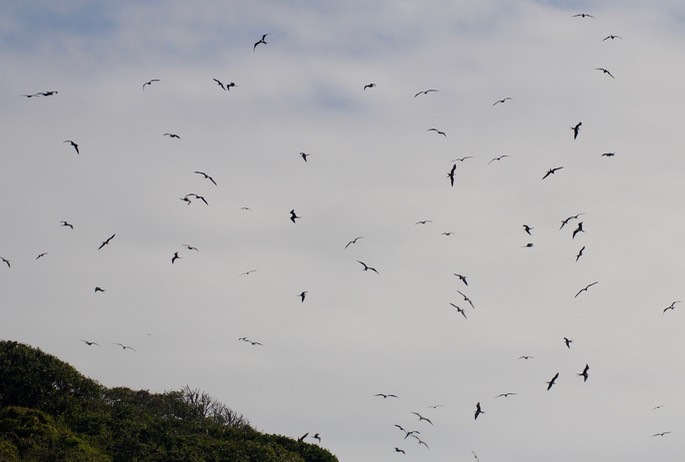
503	100
604	71
584	374
48	93
506	395
552	171
497	158
400	450
661	434
450	175
466	299
462	278
367	267
354	241
174	258
460	310
608	154
579	229
302	295
190	247
576	129
99	289
568	342
196	196
66	224
106	241
461	159
317	437
527	229
422	418
551	383
437	131
423	222
220	83
526	357
247	272
6	261
172	135
425	92
478	412
89	343
41	255
369	85
585	288
385	395
207	177
150	82
566	220
260	41
293	216
612	37
582	15
304	156
301	438
74	145
580	253
125	347
670	307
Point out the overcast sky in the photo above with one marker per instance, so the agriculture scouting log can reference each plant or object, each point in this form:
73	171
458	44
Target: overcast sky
374	170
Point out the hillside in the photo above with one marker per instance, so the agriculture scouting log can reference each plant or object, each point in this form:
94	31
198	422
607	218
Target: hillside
51	412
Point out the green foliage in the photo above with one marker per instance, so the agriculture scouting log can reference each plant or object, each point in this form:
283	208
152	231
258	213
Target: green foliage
50	412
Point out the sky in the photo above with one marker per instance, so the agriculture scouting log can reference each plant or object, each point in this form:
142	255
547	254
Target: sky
373	170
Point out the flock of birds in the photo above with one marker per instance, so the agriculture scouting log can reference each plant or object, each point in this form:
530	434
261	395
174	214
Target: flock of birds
461	308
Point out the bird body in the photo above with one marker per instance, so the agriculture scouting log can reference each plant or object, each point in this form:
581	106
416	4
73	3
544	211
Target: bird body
551	383
367	267
425	92
73	144
478	412
150	82
450	175
422	418
106	241
260	41
551	171
293	216
576	129
439	132
353	241
584	374
585	288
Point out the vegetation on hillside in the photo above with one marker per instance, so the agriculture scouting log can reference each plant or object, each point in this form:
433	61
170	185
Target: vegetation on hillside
49	412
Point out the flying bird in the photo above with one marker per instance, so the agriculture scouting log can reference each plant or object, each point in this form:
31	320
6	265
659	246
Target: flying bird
552	171
260	41
353	241
66	224
461	159
385	395
576	129
48	93
302	295
572	217
301	438
74	145
425	92
423	222
99	289
247	272
304	156
529	245
505	395
400	450
608	154
196	196
585	288
584	374
478	412
466	299
500	101
190	247
125	347
671	306
293	216
661	434
551	382
369	85
422	418
497	158
207	177
150	82
106	241
568	342
579	229
526	357
41	255
172	135
527	229
460	310
367	267
220	83
437	131
582	15
6	261
89	343
174	258
461	277
612	37
606	71
450	175
317	437
580	253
